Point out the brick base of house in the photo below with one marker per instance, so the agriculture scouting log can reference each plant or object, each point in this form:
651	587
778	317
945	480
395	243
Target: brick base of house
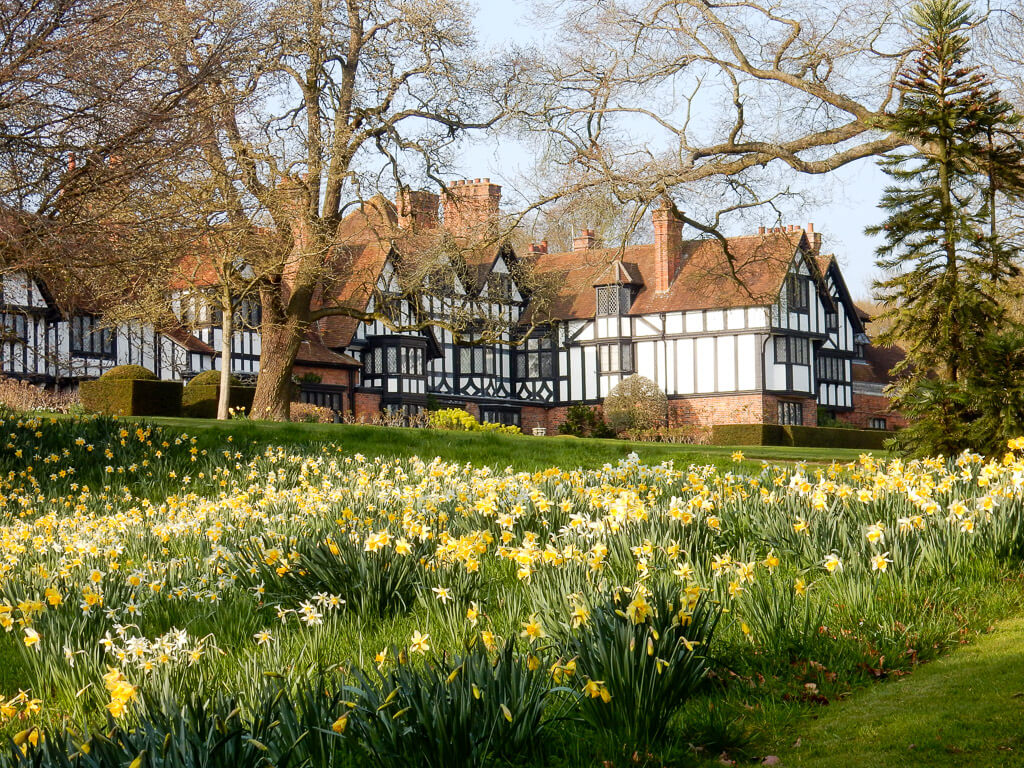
531	417
868	407
753	408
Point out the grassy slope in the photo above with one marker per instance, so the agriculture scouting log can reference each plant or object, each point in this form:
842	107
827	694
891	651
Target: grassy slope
964	709
519	451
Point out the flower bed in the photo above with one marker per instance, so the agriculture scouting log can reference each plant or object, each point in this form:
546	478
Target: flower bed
422	612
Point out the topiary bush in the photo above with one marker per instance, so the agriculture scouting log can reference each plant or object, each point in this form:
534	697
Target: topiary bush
131	390
211	379
133	372
636	403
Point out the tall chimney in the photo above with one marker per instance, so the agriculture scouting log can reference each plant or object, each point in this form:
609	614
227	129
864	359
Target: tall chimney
293	197
417	209
814	238
668	246
584	241
471	208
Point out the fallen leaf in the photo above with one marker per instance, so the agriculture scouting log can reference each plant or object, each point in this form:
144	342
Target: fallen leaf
771	760
797	742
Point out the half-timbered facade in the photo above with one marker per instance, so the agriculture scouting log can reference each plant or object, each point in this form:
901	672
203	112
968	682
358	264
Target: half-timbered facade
757	328
760	328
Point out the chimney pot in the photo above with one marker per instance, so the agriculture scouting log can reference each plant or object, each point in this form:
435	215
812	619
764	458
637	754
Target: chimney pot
810	227
760	230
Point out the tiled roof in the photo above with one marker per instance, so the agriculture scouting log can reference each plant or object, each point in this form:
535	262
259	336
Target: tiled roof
187	341
315	353
750	274
364	241
363	244
878	364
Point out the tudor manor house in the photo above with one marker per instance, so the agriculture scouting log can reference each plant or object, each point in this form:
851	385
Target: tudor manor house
760	328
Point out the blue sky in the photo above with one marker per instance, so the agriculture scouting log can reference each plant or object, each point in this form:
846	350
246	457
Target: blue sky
847	199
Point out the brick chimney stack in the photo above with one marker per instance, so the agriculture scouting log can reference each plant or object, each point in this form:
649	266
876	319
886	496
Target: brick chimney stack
417	209
471	208
668	246
814	238
539	248
584	241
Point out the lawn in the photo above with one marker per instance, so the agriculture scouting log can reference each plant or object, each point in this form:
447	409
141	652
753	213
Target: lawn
964	709
491	449
320	595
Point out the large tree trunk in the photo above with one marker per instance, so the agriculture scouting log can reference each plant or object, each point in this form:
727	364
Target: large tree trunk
226	332
279	346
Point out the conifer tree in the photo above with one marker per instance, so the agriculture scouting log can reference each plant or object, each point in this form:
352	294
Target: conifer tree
942	248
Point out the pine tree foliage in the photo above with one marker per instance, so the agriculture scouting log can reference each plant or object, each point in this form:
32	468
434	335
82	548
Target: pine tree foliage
942	250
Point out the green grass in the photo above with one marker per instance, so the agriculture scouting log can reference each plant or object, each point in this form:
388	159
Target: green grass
964	709
521	452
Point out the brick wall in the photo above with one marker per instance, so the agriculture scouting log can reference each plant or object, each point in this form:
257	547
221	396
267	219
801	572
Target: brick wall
735	409
810	409
335	376
532	416
367	406
717	409
867	407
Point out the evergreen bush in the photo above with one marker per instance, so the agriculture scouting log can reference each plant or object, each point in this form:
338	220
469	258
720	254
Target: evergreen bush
132	372
583	421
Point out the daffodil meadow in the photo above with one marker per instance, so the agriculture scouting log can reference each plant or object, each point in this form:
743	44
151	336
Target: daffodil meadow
177	600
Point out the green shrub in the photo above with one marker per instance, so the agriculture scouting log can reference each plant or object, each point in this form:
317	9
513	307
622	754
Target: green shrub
800	437
131	397
584	421
135	372
199	401
211	379
636	403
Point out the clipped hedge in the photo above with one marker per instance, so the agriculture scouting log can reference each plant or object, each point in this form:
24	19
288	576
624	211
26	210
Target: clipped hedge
135	372
200	400
131	397
799	437
211	378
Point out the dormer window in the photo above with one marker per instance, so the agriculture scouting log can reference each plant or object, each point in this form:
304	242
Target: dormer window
614	299
608	300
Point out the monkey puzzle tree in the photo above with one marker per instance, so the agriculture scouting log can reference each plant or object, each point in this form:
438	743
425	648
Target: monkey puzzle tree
942	249
949	263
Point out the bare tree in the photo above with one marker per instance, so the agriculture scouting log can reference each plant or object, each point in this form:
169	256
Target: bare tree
341	99
82	83
704	101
